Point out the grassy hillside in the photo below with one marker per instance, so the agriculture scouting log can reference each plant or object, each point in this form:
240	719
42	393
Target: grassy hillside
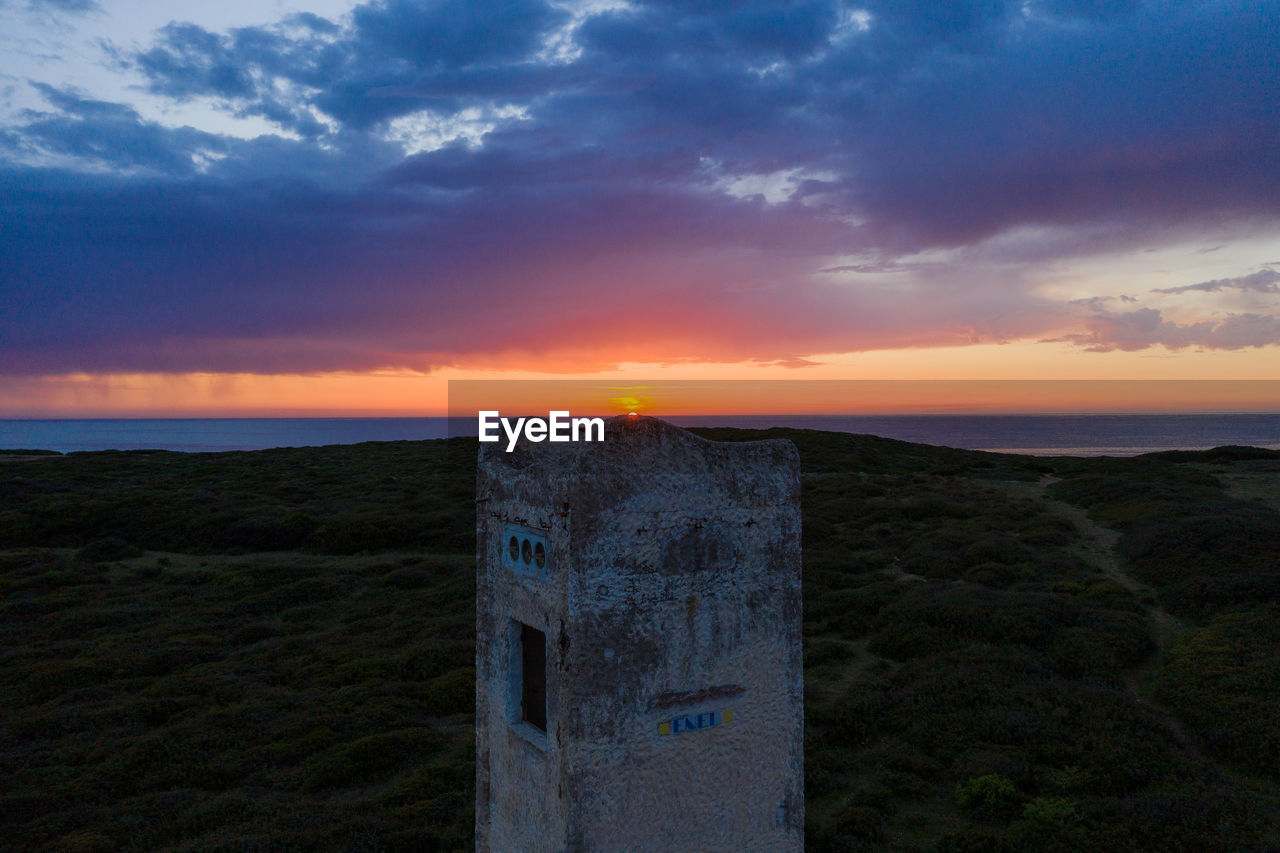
274	650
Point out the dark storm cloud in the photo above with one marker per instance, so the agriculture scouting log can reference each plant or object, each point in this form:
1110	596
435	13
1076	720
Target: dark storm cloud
661	181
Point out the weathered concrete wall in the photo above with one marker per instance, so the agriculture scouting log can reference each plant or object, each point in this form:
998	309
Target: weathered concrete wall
671	604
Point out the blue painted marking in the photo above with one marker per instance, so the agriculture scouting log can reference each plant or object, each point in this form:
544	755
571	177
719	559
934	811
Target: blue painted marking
680	725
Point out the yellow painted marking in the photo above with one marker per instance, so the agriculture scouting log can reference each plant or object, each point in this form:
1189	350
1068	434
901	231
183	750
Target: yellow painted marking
664	728
728	716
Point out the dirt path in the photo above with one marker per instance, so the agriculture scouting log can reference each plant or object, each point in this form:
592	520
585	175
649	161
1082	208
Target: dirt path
1169	721
1100	549
1098	546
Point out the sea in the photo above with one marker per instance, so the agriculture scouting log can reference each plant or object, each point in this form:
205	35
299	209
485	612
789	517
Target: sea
1035	434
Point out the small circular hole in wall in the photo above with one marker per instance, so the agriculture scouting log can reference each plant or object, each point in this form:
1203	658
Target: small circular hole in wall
527	552
540	555
514	547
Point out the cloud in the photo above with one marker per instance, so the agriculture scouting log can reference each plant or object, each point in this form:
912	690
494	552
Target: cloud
793	363
254	71
71	7
453	33
355	281
1146	327
107	135
521	182
392	55
941	127
1262	281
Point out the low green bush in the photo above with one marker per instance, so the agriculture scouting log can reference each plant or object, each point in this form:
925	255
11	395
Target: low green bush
108	550
364	759
991	796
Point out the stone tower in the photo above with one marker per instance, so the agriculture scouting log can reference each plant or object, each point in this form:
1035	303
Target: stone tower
638	663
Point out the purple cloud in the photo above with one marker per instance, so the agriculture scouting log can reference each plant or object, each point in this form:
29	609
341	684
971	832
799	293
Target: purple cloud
1262	281
1146	327
459	182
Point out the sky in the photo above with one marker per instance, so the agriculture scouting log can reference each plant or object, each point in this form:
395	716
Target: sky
334	207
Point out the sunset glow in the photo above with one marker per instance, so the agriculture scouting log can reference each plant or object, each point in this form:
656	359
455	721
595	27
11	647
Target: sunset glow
335	208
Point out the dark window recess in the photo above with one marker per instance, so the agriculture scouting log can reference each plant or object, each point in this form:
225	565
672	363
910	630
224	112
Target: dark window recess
533	677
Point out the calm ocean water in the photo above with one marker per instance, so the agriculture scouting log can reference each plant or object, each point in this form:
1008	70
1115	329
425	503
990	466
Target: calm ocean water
1049	435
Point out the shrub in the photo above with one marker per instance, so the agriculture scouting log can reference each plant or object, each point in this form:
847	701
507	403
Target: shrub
972	841
819	652
990	796
1052	812
367	758
108	550
451	693
858	827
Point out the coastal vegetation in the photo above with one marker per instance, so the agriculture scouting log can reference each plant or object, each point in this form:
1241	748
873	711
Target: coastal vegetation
274	650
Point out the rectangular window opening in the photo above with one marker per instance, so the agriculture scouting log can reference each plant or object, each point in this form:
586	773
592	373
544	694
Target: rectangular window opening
533	677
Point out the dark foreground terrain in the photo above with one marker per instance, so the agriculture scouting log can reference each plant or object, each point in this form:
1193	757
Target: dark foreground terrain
274	650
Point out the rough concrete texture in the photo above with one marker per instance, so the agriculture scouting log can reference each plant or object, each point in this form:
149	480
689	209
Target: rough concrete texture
670	600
